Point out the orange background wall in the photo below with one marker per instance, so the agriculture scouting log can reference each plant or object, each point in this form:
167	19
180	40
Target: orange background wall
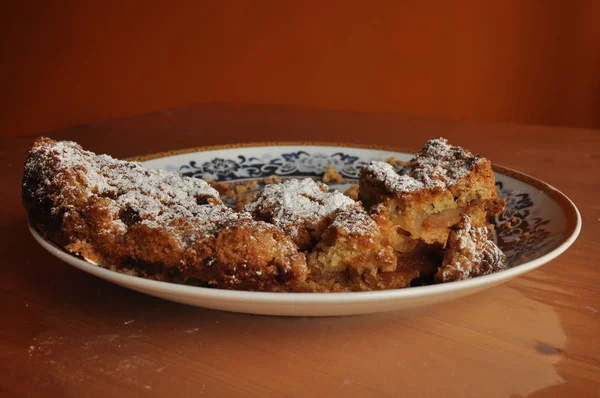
524	61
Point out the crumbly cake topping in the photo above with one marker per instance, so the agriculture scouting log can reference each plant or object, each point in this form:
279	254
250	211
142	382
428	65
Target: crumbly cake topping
354	221
470	253
152	197
439	162
295	203
437	165
159	225
392	181
204	221
106	176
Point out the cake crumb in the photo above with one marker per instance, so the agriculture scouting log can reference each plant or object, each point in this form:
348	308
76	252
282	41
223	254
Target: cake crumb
272	180
251	184
222	187
242	194
397	163
332	175
352	192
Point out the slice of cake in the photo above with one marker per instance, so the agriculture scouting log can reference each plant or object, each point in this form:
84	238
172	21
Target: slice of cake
152	223
354	253
347	248
441	184
469	253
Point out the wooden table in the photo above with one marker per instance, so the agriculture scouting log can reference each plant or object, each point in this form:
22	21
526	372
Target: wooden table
66	333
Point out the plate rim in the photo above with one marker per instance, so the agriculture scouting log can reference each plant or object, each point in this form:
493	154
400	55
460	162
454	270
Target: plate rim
258	144
572	214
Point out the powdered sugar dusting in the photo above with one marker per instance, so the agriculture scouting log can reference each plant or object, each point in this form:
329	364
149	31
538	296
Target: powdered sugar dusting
470	253
467	236
354	221
296	204
393	182
130	192
441	163
437	165
106	176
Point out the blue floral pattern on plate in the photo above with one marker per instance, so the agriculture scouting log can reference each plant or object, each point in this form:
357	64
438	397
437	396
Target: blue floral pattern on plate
293	164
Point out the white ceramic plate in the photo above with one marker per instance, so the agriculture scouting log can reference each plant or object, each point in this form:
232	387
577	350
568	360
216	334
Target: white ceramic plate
538	224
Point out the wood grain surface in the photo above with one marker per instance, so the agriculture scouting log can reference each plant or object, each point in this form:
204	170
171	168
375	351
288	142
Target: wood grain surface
66	333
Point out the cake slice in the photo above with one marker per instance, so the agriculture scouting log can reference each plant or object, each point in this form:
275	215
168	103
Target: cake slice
152	223
441	184
347	248
354	254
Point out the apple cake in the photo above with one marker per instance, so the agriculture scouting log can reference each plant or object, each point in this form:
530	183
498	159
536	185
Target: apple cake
441	184
417	223
347	249
152	223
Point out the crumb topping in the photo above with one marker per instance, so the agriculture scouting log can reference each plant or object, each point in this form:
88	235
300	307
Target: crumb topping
470	253
295	203
131	192
438	165
354	221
